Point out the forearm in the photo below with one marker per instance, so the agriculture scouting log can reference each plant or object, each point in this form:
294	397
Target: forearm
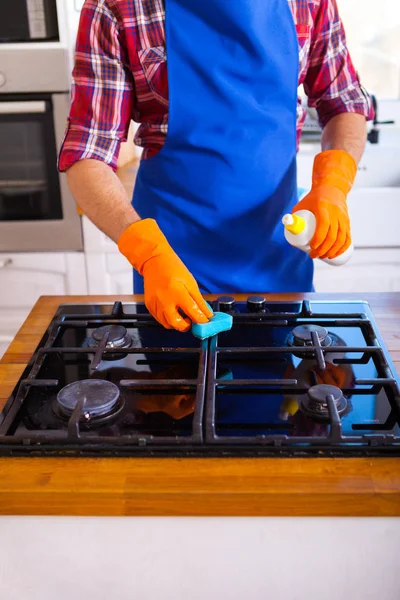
101	196
347	131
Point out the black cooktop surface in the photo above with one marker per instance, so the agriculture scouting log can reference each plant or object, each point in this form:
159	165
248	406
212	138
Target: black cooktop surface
296	378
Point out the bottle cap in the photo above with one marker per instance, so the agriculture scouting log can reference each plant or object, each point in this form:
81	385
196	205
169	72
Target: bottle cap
294	223
289	408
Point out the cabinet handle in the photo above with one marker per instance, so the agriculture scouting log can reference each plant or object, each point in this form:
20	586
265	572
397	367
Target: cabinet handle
5	263
18	108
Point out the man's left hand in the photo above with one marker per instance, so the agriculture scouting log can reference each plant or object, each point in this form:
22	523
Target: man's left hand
333	177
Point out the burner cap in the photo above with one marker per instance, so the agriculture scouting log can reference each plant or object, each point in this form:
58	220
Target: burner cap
99	396
226	303
315	404
256	303
302	335
117	336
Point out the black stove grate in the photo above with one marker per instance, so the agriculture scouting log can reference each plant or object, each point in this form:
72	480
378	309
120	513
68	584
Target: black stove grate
265	386
224	371
73	432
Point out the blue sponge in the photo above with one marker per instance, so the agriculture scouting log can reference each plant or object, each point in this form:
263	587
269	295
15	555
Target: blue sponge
220	322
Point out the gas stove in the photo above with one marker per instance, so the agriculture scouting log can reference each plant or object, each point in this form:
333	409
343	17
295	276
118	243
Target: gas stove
290	379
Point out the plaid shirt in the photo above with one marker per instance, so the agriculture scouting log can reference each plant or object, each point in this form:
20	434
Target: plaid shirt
121	74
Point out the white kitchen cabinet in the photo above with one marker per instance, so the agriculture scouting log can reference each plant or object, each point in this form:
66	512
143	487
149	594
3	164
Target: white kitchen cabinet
25	277
375	217
11	320
5	340
369	270
121	274
95	241
379	167
108	274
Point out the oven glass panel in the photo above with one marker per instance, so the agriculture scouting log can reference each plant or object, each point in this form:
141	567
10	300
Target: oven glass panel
29	183
28	20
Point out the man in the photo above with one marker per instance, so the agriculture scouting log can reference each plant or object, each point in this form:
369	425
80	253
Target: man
214	86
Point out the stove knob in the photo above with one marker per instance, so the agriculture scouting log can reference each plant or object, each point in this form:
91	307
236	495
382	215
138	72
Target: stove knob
2	79
226	303
256	303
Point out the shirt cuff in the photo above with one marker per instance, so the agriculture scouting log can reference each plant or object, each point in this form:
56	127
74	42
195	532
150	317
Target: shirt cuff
327	109
78	144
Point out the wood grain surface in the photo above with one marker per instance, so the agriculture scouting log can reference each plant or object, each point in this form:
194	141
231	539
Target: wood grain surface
213	487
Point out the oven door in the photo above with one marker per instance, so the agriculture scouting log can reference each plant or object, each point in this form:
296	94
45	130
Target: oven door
28	20
37	211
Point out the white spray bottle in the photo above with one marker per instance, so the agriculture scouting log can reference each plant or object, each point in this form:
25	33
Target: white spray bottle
299	231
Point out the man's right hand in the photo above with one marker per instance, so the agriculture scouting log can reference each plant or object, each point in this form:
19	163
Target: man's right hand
169	288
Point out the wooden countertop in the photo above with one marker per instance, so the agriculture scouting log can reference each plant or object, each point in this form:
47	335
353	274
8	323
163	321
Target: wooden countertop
196	486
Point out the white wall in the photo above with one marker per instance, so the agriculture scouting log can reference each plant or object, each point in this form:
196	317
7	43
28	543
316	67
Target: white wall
373	35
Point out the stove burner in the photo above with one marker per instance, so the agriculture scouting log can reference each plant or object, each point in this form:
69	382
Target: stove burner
315	404
100	398
302	335
117	337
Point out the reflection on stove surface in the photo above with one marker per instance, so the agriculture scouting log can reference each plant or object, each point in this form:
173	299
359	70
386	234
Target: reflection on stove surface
154	411
288	411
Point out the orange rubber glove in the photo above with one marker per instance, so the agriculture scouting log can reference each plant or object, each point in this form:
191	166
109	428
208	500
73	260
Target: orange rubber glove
168	285
333	177
333	375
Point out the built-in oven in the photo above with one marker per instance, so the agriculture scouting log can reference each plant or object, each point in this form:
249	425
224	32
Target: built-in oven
37	211
28	20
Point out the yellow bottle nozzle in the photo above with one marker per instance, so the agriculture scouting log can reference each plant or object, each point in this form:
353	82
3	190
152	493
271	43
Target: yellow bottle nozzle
294	223
289	408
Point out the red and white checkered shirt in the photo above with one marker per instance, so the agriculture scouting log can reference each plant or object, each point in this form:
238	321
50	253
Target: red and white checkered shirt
121	74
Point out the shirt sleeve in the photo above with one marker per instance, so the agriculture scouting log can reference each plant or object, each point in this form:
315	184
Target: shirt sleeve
102	90
332	84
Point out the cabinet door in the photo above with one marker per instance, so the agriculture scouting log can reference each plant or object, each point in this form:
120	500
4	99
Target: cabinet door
375	270
121	274
109	274
10	322
4	343
25	277
372	228
95	240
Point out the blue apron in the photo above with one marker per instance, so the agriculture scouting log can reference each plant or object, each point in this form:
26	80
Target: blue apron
227	172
